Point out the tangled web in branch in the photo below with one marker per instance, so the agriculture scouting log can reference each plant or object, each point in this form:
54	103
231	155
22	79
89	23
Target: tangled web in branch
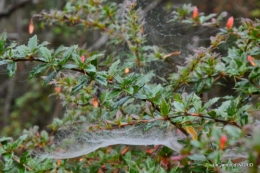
82	139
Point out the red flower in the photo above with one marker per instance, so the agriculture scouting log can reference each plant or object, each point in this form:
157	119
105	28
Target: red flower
82	58
195	13
230	23
223	141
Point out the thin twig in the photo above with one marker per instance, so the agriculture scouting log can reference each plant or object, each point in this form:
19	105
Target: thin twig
38	60
208	117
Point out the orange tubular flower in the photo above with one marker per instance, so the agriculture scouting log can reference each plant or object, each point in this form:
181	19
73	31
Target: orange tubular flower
195	13
230	23
223	142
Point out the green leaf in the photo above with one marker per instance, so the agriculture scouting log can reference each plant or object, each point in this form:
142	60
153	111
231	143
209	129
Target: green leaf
113	68
209	16
43	44
11	67
101	79
6	139
90	68
93	57
156	90
50	77
177	97
148	91
196	143
222	109
18	141
67	54
22	51
23	158
2	46
2	42
146	78
121	101
32	44
3	36
2	62
114	94
59	50
197	157
79	86
214	155
44	136
37	70
140	96
129	90
211	102
46	53
233	131
254	73
69	66
1	165
164	108
179	107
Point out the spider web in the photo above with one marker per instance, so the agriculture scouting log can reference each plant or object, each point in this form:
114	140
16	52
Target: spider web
78	140
170	37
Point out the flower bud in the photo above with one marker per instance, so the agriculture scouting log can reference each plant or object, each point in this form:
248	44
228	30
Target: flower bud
127	70
82	58
251	60
195	13
222	142
57	89
230	23
31	27
94	102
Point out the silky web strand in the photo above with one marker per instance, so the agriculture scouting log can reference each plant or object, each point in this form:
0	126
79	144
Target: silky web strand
78	140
